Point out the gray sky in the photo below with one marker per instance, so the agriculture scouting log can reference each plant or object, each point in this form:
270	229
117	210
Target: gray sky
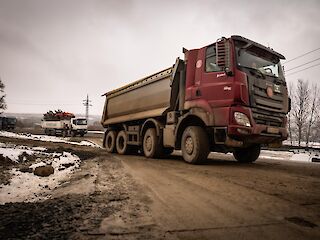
55	52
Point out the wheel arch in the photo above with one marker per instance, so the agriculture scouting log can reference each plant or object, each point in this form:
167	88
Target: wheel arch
188	120
151	123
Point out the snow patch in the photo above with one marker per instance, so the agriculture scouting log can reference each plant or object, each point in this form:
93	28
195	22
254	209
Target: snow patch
45	138
295	155
301	157
39	148
302	144
27	187
13	154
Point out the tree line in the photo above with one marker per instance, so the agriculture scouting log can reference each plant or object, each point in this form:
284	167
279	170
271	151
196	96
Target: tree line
304	117
3	104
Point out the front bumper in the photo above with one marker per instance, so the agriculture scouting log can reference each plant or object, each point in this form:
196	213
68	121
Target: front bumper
236	135
257	134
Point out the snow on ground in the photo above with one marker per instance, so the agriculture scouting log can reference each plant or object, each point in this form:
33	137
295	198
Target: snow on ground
96	132
302	144
296	156
17	153
276	155
45	138
25	186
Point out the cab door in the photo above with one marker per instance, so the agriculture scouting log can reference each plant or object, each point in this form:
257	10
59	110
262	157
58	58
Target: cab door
215	86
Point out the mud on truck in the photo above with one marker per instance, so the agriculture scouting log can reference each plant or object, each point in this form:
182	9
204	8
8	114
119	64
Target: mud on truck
63	123
229	96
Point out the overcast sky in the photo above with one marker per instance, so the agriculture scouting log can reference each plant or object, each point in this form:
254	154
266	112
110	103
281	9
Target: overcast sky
54	53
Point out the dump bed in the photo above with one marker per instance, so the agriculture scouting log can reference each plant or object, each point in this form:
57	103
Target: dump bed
147	97
55	124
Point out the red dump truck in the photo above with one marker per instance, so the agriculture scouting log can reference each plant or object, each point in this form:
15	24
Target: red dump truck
229	96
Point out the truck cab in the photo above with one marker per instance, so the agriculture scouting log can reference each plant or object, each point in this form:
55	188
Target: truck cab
79	126
241	83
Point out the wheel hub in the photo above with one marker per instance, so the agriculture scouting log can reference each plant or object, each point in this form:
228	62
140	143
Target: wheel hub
148	144
189	145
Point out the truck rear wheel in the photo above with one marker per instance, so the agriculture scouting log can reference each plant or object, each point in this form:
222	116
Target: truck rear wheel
194	145
110	141
151	146
248	154
121	143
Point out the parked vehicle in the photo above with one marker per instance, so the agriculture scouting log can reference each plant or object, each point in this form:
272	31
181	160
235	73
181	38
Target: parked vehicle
63	123
229	96
8	123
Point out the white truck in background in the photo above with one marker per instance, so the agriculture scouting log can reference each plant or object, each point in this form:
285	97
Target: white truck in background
60	123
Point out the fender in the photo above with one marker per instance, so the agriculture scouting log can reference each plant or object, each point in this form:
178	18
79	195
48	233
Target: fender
154	122
201	109
206	117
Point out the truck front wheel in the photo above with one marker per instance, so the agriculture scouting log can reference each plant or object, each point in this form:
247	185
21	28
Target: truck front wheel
110	141
248	154
151	146
121	142
194	145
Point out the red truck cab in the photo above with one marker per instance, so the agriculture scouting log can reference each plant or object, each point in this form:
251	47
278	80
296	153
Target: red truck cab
242	85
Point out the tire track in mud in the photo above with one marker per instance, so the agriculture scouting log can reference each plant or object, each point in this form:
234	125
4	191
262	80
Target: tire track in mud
206	201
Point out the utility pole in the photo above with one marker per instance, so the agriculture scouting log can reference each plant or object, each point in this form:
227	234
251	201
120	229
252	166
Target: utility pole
87	104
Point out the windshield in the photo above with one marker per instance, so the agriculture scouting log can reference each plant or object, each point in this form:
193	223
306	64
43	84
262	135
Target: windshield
258	59
81	122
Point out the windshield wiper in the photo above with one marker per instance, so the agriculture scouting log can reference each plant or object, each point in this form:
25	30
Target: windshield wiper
254	71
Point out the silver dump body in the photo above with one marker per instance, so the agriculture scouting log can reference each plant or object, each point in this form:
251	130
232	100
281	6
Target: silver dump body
147	97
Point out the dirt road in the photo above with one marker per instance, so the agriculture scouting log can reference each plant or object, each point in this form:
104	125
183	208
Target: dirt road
131	197
223	199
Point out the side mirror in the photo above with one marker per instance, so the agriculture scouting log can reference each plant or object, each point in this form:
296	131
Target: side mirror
228	71
289	104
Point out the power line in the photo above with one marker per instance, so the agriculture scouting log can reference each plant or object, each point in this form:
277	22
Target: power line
301	55
42	104
303	69
302	65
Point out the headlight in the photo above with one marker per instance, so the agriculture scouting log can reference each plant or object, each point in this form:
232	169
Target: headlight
242	119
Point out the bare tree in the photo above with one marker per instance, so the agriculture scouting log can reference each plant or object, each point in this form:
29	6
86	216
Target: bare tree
300	111
313	110
3	104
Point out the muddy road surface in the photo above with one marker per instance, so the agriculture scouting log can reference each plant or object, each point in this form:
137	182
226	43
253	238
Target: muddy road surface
130	197
227	200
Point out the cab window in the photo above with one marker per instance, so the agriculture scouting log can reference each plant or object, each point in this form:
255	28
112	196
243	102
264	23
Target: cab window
211	64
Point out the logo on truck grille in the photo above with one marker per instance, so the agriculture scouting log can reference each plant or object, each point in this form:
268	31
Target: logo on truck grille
269	92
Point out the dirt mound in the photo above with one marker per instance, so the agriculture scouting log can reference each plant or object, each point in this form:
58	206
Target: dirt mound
50	219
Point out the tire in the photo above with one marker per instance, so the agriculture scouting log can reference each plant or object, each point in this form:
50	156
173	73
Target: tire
195	145
121	143
247	155
151	146
65	133
73	134
110	141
